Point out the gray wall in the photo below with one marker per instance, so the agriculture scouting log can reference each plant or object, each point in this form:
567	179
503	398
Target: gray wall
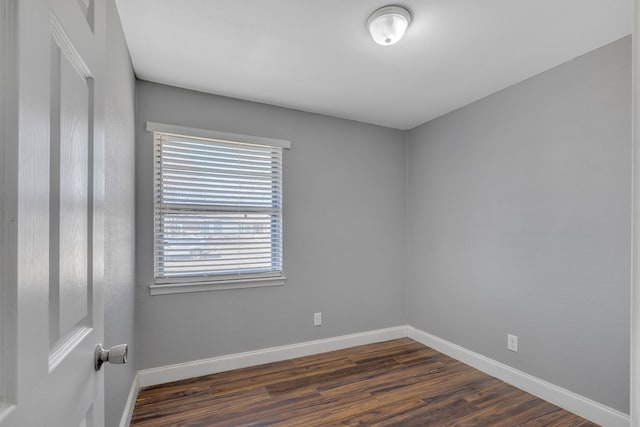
519	221
344	233
119	287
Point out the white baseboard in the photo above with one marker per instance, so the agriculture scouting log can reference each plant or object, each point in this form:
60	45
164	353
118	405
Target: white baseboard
181	371
580	405
131	403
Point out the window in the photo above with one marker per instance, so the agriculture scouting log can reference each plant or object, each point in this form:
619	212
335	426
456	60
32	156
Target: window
217	210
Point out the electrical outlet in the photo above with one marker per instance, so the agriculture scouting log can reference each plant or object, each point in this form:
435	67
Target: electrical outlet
317	319
512	342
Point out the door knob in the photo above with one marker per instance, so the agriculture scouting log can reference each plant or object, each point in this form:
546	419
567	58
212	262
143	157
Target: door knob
116	355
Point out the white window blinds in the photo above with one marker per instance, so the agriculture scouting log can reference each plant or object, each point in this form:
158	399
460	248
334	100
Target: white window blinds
218	210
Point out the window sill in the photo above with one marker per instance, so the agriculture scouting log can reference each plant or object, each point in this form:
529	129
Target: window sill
181	288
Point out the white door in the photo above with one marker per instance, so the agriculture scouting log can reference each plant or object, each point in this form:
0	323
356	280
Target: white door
51	235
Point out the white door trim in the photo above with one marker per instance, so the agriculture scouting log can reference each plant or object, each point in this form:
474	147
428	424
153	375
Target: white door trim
635	262
8	204
130	404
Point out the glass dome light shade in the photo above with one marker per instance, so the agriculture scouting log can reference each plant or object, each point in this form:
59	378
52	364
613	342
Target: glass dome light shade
388	24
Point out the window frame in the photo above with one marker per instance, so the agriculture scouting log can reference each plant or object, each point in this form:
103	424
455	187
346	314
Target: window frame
223	282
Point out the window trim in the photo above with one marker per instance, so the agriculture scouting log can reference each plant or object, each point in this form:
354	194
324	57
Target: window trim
212	134
218	285
185	285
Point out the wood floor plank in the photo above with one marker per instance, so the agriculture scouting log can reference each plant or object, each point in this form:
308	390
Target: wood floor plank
371	382
392	383
325	376
171	413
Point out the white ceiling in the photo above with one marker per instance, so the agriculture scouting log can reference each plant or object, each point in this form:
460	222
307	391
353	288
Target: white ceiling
316	55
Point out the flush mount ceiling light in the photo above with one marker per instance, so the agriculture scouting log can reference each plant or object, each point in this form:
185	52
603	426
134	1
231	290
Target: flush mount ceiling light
388	24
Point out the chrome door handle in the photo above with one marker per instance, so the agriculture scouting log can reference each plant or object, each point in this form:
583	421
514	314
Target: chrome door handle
116	355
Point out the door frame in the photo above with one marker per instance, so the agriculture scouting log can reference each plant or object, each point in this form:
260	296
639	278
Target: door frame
8	204
635	219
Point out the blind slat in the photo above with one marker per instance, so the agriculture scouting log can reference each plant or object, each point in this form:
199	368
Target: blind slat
185	208
236	178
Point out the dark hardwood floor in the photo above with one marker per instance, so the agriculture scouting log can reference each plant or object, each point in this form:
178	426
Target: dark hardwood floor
393	383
